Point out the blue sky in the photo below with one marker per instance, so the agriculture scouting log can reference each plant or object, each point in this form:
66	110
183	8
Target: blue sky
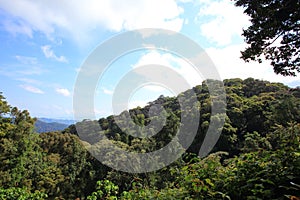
44	44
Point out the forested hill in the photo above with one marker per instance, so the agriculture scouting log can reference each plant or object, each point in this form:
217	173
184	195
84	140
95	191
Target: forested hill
60	121
256	157
42	127
252	106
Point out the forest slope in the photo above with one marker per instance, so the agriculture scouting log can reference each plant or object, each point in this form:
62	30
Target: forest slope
256	157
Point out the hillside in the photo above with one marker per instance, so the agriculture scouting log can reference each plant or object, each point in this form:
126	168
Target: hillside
256	157
251	106
60	121
42	127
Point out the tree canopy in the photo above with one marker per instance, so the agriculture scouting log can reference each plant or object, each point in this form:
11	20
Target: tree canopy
257	155
274	33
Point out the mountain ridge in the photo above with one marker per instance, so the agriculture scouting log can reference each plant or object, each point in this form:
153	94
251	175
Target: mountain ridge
42	127
57	120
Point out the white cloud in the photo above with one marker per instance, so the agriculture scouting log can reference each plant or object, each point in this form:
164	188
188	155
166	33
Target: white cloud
230	65
154	88
80	18
184	1
63	91
187	72
102	112
136	103
106	91
221	21
154	57
32	89
17	28
77	69
227	61
49	53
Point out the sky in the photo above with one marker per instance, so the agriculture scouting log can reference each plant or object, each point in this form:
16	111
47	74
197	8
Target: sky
45	43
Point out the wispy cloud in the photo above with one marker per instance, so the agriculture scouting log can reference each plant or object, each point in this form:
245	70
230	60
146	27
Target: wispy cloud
16	70
27	60
30	70
29	81
107	91
18	27
49	53
63	91
32	89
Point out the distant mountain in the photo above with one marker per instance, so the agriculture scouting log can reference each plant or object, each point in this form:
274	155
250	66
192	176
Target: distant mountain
41	126
60	121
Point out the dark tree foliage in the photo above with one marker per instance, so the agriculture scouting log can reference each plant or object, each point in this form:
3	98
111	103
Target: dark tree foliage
274	33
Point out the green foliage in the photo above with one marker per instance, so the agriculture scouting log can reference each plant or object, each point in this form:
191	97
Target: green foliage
200	180
104	190
257	155
258	174
273	20
266	171
69	169
20	194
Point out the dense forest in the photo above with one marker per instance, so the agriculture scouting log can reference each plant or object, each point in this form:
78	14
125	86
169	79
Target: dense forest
256	157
